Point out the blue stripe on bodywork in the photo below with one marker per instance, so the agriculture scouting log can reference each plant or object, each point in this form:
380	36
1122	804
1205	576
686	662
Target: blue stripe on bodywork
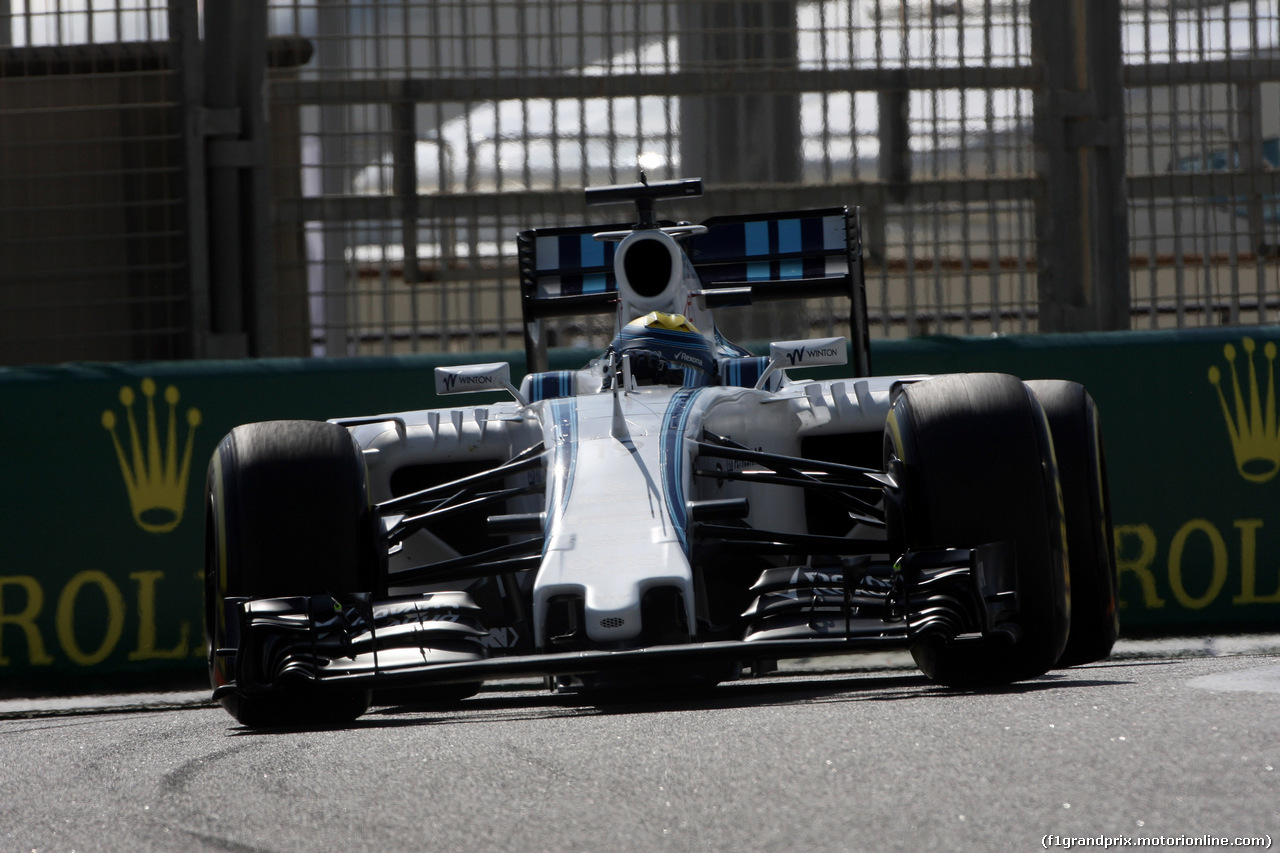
564	458
552	384
671	460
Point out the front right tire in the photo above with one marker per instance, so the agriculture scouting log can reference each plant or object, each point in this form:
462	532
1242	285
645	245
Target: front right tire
287	512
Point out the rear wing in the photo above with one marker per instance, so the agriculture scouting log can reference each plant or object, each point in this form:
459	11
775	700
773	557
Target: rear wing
787	255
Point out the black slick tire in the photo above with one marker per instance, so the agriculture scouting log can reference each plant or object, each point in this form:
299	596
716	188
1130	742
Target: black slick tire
287	513
1082	468
973	460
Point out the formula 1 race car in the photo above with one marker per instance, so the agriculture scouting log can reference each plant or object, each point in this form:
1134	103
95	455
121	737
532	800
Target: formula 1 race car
677	512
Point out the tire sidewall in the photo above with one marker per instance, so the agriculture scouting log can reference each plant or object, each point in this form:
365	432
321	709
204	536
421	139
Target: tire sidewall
287	512
975	465
1077	438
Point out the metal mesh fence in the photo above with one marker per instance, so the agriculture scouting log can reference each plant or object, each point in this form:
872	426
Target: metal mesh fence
1204	146
511	108
92	185
416	137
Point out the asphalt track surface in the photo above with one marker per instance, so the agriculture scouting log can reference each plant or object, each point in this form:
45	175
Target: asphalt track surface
1137	748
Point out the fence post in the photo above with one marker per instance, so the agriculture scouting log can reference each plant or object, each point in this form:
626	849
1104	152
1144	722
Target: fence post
186	59
334	153
728	138
1082	232
241	298
1249	132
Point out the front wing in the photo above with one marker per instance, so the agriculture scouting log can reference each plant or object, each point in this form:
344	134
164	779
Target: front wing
954	594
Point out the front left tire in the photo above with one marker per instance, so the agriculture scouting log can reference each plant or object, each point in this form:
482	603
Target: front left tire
1082	467
973	461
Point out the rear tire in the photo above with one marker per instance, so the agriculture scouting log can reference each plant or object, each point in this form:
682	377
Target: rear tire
1082	467
973	460
287	513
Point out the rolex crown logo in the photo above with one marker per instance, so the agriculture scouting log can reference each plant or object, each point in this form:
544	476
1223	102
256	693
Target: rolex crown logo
1252	422
154	475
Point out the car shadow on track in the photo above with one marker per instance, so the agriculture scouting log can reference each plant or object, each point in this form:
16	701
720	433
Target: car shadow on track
515	705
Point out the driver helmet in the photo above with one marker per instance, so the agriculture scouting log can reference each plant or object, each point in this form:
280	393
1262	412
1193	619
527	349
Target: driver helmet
666	349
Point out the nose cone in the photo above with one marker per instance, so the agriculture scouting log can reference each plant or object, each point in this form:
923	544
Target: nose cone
613	582
612	538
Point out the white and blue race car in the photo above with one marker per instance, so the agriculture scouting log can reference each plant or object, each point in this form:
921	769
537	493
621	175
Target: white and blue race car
677	512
